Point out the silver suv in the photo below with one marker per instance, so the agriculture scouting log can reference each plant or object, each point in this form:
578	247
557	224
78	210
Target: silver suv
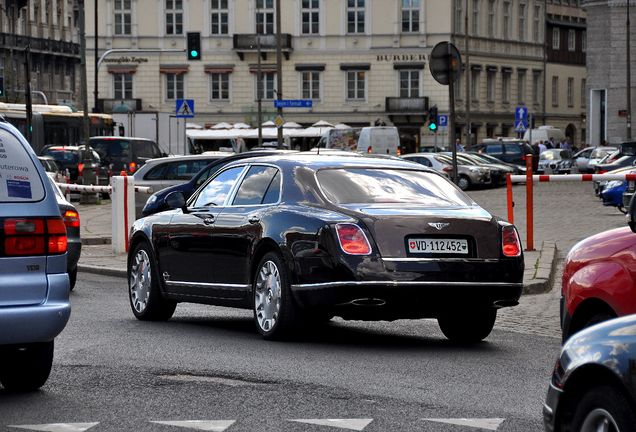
34	285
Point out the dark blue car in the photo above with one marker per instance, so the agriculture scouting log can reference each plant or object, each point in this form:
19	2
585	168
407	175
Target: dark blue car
612	194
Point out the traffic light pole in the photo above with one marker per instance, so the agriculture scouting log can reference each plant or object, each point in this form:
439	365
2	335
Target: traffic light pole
451	112
279	71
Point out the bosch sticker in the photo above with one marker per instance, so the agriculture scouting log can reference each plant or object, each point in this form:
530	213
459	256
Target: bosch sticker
19	189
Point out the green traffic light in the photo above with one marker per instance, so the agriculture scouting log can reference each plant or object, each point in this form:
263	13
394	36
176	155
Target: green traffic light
432	127
194	53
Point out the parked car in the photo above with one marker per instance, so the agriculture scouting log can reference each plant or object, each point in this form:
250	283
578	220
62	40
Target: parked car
498	172
71	219
469	176
600	185
629	193
599	278
156	202
587	158
431	160
625	157
505	149
556	161
592	386
516	169
76	159
34	299
52	169
612	194
379	140
309	236
124	153
168	171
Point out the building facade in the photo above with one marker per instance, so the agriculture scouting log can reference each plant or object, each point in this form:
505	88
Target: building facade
359	61
565	101
607	69
49	27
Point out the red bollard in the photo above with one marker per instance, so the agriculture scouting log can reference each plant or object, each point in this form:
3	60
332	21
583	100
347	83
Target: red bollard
529	205
511	204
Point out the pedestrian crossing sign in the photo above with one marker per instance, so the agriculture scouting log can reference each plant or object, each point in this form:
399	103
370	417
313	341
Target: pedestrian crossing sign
520	127
184	108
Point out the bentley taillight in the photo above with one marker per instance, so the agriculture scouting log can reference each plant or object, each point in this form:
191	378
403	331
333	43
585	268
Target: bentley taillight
352	239
510	244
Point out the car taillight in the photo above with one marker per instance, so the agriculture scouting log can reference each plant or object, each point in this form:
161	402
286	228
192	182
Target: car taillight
26	236
557	375
510	244
352	239
71	219
447	168
602	171
132	167
370	149
399	152
80	168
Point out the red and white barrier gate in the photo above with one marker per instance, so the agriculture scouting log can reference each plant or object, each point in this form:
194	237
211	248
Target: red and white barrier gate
122	190
529	179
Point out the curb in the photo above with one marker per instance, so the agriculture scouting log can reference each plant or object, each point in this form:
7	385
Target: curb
92	241
545	273
104	271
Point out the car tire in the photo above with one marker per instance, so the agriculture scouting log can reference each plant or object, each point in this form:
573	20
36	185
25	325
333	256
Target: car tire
146	300
276	314
467	326
26	368
604	404
463	182
72	277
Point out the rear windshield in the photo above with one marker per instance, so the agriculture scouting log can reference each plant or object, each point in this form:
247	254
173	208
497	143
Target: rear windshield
63	156
384	186
146	149
19	178
601	152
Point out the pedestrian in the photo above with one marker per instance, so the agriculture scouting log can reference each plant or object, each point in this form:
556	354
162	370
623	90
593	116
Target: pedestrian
543	147
458	145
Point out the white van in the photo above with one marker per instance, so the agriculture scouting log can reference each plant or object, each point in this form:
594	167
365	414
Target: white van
544	133
380	140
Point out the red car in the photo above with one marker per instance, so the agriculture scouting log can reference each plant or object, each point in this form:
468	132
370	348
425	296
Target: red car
599	278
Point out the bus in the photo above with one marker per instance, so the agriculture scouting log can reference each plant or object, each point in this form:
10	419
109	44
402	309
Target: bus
55	124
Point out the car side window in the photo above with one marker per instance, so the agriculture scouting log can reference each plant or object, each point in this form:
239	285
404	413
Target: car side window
424	161
494	149
254	186
513	149
157	173
273	191
215	192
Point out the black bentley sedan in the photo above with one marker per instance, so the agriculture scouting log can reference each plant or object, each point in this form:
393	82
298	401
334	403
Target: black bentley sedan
308	237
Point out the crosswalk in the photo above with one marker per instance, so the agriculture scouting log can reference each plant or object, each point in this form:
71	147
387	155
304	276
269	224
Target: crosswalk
354	424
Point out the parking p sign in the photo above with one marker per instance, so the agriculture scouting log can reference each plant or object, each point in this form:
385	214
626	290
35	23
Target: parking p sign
442	120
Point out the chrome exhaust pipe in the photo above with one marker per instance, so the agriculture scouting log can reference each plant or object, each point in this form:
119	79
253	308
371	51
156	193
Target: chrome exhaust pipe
366	302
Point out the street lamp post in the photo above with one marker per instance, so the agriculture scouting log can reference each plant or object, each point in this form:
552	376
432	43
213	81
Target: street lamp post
279	72
96	76
629	76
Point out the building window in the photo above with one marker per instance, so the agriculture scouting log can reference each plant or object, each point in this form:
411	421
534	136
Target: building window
459	86
220	87
536	85
492	18
268	86
583	93
356	85
355	16
123	86
474	85
536	24
505	87
570	92
522	22
409	83
556	38
174	86
123	17
521	86
572	40
310	81
174	17
219	17
265	16
459	16
475	23
411	16
584	41
506	20
555	91
490	86
310	14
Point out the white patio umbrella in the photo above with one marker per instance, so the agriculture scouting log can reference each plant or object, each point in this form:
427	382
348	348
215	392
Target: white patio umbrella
322	123
193	126
268	124
242	126
342	126
222	125
292	125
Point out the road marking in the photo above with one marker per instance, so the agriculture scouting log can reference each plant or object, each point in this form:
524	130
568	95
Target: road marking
204	425
485	423
352	424
57	427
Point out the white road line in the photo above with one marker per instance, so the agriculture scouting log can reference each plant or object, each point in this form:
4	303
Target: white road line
204	425
485	423
57	427
351	424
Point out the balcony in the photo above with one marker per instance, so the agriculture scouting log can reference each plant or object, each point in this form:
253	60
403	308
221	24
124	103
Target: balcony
405	110
244	43
38	45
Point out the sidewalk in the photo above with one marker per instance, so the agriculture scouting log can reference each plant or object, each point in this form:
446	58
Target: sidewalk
98	257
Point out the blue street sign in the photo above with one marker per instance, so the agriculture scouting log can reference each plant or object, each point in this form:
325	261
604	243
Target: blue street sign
184	108
293	103
442	120
521	118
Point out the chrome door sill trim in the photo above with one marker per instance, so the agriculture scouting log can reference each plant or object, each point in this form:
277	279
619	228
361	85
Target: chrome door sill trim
206	285
468	260
406	284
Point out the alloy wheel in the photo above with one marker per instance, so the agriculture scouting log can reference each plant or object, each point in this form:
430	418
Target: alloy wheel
140	281
599	420
267	296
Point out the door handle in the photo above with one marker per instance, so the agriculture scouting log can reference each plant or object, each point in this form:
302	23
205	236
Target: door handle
254	219
208	220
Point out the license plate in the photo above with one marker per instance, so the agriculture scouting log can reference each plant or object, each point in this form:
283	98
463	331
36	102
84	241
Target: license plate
438	246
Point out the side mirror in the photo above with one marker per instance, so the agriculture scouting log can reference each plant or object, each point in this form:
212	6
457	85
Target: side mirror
631	214
176	200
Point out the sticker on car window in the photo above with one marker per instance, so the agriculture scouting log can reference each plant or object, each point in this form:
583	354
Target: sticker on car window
19	189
